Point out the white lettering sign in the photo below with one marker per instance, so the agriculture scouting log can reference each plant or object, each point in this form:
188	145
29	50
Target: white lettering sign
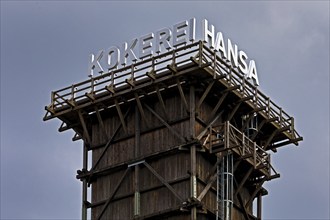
237	58
166	39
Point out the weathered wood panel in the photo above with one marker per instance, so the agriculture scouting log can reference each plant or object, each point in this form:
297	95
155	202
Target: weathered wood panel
150	131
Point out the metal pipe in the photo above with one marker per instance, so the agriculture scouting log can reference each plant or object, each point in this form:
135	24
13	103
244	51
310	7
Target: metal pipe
84	184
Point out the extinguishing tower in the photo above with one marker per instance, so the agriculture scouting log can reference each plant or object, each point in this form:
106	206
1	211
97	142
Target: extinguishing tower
179	135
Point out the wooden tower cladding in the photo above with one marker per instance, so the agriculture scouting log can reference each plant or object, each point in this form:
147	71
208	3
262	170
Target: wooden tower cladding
181	135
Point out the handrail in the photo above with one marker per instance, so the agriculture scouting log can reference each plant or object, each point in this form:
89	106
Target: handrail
203	55
227	133
117	77
234	78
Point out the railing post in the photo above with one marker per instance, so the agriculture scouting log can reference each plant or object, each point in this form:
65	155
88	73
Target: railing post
268	107
52	97
153	67
72	92
230	77
215	65
242	87
254	154
256	96
92	85
132	71
281	117
200	53
173	58
292	128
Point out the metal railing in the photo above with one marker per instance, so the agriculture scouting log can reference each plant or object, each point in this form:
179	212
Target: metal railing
116	79
220	67
158	66
232	139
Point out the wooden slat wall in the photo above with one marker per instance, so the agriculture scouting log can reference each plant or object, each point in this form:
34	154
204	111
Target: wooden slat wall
154	196
171	167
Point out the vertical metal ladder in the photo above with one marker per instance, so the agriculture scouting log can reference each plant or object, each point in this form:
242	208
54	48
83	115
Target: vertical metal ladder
225	188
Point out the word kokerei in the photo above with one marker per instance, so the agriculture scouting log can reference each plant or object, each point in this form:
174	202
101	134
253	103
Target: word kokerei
166	39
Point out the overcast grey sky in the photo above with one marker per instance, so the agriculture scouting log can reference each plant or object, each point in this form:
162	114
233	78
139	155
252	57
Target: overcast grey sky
45	45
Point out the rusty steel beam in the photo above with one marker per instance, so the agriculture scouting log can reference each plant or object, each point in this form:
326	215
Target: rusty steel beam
99	119
121	116
246	176
206	92
109	142
162	103
113	194
172	130
162	180
183	98
83	124
139	104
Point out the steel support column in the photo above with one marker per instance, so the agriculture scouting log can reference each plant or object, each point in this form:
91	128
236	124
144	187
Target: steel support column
137	168
259	206
193	179
84	184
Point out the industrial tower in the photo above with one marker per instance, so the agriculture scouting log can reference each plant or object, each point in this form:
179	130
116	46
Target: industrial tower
180	135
